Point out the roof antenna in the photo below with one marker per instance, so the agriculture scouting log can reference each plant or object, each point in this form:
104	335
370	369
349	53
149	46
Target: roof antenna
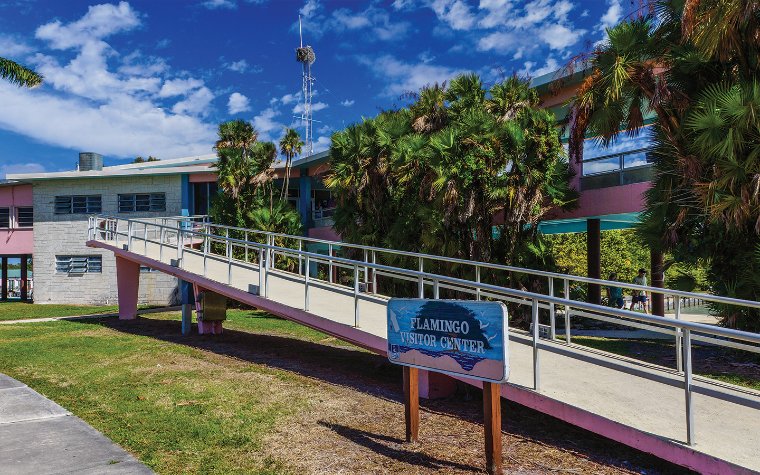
305	55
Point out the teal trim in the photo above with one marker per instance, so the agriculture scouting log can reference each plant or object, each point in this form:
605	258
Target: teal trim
578	225
186	195
304	198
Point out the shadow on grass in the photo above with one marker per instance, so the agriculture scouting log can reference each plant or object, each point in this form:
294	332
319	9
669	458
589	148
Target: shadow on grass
384	445
373	374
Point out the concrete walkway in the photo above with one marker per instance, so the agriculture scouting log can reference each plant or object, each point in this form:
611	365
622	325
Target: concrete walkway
37	436
629	401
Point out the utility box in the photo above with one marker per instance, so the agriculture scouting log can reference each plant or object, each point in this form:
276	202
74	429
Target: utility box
213	307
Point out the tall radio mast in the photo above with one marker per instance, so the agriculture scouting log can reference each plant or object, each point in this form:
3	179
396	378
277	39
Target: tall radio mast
305	56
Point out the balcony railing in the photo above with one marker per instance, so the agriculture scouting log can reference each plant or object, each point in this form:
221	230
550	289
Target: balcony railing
615	170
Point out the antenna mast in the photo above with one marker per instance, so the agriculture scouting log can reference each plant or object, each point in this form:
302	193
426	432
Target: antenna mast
305	55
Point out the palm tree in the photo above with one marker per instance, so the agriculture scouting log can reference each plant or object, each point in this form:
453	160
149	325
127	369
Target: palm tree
19	75
694	65
290	146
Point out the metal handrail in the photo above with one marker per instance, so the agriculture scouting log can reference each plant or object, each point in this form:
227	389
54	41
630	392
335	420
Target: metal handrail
682	330
494	266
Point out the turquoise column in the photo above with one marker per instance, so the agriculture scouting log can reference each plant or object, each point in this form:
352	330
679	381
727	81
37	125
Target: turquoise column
304	199
186	195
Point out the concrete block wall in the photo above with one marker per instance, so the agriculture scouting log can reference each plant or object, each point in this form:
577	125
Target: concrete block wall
66	234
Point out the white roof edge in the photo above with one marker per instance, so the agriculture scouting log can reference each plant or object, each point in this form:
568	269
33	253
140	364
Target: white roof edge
112	172
196	159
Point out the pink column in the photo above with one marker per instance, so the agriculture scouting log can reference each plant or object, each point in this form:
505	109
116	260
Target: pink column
128	283
436	385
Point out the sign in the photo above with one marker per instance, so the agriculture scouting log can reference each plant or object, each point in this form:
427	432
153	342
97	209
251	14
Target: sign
456	337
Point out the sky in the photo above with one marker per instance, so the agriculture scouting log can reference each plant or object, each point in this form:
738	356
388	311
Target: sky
156	77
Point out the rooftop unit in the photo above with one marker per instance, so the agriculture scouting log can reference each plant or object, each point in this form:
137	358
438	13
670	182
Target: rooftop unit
90	161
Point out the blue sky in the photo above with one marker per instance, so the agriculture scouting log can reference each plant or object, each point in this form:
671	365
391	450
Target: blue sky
155	77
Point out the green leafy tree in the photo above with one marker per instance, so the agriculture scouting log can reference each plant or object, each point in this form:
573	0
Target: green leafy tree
245	179
290	146
694	65
432	176
19	75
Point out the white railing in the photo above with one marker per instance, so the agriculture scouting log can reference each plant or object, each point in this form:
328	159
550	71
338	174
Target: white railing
258	250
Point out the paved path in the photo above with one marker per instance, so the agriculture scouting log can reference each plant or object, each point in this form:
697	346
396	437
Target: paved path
631	394
37	436
87	317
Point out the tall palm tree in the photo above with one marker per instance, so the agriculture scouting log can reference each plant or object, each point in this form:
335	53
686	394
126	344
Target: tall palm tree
290	146
19	75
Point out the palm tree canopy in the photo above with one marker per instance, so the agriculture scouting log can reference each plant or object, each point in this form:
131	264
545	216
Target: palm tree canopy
19	75
290	143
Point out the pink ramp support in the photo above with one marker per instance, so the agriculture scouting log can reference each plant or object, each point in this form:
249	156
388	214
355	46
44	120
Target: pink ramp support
128	283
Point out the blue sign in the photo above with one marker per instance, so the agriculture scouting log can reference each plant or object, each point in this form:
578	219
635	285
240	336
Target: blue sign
457	337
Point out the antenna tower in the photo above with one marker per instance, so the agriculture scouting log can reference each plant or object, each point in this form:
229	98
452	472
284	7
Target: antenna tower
305	56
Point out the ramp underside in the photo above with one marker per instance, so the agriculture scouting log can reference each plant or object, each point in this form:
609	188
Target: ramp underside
638	405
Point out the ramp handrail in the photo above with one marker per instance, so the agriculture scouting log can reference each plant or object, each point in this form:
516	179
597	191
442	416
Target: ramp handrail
107	228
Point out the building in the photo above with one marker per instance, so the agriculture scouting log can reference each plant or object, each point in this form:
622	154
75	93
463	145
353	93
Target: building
65	269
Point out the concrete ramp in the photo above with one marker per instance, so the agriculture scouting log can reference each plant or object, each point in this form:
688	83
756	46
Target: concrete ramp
713	430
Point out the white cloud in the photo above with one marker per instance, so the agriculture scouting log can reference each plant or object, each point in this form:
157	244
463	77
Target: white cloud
373	19
220	4
310	8
196	103
612	16
13	47
267	126
179	87
99	22
347	103
550	66
560	37
322	143
125	127
238	66
455	13
100	100
315	107
238	103
405	77
21	168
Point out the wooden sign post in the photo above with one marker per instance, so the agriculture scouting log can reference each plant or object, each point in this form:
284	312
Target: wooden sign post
459	338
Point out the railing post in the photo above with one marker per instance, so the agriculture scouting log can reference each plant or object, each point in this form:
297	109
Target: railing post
180	245
356	295
262	269
226	242
679	337
245	238
161	235
129	235
421	284
300	257
436	289
687	386
229	262
145	239
330	263
477	279
536	373
374	273
366	271
307	278
552	316
567	311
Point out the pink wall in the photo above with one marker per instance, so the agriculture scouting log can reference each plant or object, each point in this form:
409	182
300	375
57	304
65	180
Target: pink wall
19	240
604	201
202	177
325	232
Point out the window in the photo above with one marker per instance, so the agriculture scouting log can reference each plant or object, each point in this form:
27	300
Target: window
78	264
5	217
145	269
142	202
25	217
81	204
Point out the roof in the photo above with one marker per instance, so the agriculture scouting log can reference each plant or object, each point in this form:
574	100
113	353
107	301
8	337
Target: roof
316	159
570	75
185	165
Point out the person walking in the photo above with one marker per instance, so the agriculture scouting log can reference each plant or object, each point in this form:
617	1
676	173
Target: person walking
640	296
615	293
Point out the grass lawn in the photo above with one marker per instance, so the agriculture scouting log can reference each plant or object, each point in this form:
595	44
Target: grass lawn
23	310
269	396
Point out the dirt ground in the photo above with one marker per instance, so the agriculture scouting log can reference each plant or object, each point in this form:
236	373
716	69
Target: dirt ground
355	419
